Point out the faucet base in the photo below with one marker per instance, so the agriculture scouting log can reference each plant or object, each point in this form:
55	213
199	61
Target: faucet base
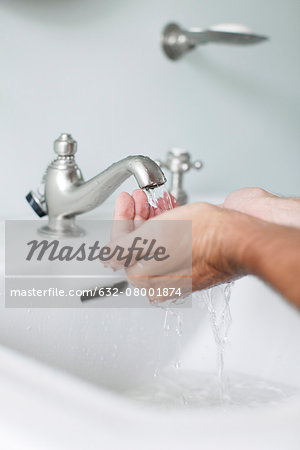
62	228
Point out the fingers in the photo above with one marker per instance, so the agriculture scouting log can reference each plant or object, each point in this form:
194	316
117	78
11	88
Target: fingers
144	211
124	213
132	211
142	207
124	208
164	204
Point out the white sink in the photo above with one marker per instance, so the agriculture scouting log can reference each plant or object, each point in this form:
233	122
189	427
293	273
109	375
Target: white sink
109	341
118	348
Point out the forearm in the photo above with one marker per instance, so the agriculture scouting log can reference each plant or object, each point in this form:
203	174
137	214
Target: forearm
272	252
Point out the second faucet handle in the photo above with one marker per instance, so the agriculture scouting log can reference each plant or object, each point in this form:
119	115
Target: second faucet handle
178	162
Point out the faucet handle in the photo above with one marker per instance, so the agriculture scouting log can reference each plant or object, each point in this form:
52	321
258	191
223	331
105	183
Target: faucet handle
37	203
65	145
179	162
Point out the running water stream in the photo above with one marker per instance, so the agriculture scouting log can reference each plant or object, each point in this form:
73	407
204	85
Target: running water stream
220	325
160	200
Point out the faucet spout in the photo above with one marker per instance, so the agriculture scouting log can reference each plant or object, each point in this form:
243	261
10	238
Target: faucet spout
67	194
87	195
147	173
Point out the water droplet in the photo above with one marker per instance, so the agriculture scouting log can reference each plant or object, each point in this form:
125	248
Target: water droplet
166	322
177	364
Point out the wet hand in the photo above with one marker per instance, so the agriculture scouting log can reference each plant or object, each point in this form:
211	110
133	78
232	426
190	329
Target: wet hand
131	211
201	255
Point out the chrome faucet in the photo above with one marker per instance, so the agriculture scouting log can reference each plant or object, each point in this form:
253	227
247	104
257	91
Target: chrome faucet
66	194
177	41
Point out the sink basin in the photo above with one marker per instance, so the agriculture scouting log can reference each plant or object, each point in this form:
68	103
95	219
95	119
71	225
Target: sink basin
113	342
64	370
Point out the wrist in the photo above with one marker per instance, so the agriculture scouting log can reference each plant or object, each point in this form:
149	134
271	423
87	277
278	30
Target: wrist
241	234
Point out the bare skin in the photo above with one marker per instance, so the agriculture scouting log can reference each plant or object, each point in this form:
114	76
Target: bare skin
254	232
261	204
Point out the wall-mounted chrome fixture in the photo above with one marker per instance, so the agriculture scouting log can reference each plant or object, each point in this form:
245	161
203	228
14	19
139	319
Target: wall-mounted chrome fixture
177	41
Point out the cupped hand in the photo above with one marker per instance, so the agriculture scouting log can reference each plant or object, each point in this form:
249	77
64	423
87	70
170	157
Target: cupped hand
200	239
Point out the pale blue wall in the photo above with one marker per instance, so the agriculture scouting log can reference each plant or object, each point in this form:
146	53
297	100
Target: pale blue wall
94	68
